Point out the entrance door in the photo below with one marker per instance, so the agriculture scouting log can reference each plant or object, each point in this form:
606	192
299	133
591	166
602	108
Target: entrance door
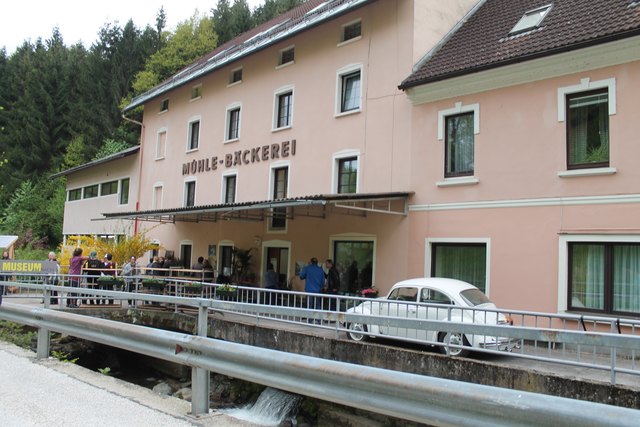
185	255
225	261
279	258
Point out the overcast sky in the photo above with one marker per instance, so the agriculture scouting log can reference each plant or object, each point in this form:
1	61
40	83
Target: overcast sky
80	20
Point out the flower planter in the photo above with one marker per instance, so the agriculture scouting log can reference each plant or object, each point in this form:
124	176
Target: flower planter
109	283
227	295
192	290
153	285
369	293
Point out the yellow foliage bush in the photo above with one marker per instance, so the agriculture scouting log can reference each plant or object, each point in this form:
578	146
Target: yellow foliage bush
121	251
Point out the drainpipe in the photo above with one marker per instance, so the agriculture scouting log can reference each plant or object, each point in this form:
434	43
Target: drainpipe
135	224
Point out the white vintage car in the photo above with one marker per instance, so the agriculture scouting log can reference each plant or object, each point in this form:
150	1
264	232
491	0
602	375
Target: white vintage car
433	299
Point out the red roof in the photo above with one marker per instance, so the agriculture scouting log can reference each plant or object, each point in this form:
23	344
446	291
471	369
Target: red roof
484	42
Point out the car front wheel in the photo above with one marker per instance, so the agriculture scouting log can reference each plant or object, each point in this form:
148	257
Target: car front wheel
357	332
453	338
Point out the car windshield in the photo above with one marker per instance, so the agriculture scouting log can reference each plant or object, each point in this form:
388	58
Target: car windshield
474	297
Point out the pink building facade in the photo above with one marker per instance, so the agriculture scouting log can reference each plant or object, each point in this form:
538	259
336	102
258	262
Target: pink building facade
293	141
528	154
306	138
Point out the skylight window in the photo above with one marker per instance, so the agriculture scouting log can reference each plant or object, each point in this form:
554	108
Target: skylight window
530	20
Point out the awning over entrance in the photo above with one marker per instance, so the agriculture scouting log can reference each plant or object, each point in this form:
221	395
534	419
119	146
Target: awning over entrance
394	203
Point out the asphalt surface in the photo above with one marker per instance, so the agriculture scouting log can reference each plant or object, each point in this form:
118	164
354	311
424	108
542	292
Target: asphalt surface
48	392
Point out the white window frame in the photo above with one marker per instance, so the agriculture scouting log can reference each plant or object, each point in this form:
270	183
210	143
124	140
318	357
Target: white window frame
101	194
229	109
276	107
221	243
223	184
154	201
196	92
120	182
525	23
275	243
189	125
162	103
231	73
461	240
161	151
79	198
278	165
272	167
563	260
356	237
184	191
459	108
341	155
340	74
342	31
186	243
587	85
281	52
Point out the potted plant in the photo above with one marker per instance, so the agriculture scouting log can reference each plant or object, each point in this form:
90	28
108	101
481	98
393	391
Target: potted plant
226	292
192	288
371	292
109	282
242	265
153	284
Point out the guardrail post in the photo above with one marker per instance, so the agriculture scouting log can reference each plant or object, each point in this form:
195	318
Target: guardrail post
44	337
200	377
613	357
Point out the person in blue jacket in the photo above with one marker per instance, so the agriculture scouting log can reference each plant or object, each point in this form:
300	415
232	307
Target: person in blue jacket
313	275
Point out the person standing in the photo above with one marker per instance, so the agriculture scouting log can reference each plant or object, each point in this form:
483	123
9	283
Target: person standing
313	277
207	271
154	266
75	277
129	272
169	261
53	270
109	269
5	256
333	282
271	279
93	268
198	267
333	277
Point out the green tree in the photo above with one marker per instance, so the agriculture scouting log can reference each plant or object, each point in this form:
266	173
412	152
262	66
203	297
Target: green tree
75	154
192	39
115	59
230	21
109	147
272	8
28	215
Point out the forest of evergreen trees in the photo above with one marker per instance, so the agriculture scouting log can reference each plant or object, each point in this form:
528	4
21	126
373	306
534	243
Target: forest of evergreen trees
61	106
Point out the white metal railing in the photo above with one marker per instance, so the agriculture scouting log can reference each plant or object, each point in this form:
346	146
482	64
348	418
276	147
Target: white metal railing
407	396
605	344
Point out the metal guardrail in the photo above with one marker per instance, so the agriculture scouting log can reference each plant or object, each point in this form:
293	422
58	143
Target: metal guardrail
555	338
406	396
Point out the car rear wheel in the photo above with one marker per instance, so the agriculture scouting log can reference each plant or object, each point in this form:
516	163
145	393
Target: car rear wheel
357	332
453	338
